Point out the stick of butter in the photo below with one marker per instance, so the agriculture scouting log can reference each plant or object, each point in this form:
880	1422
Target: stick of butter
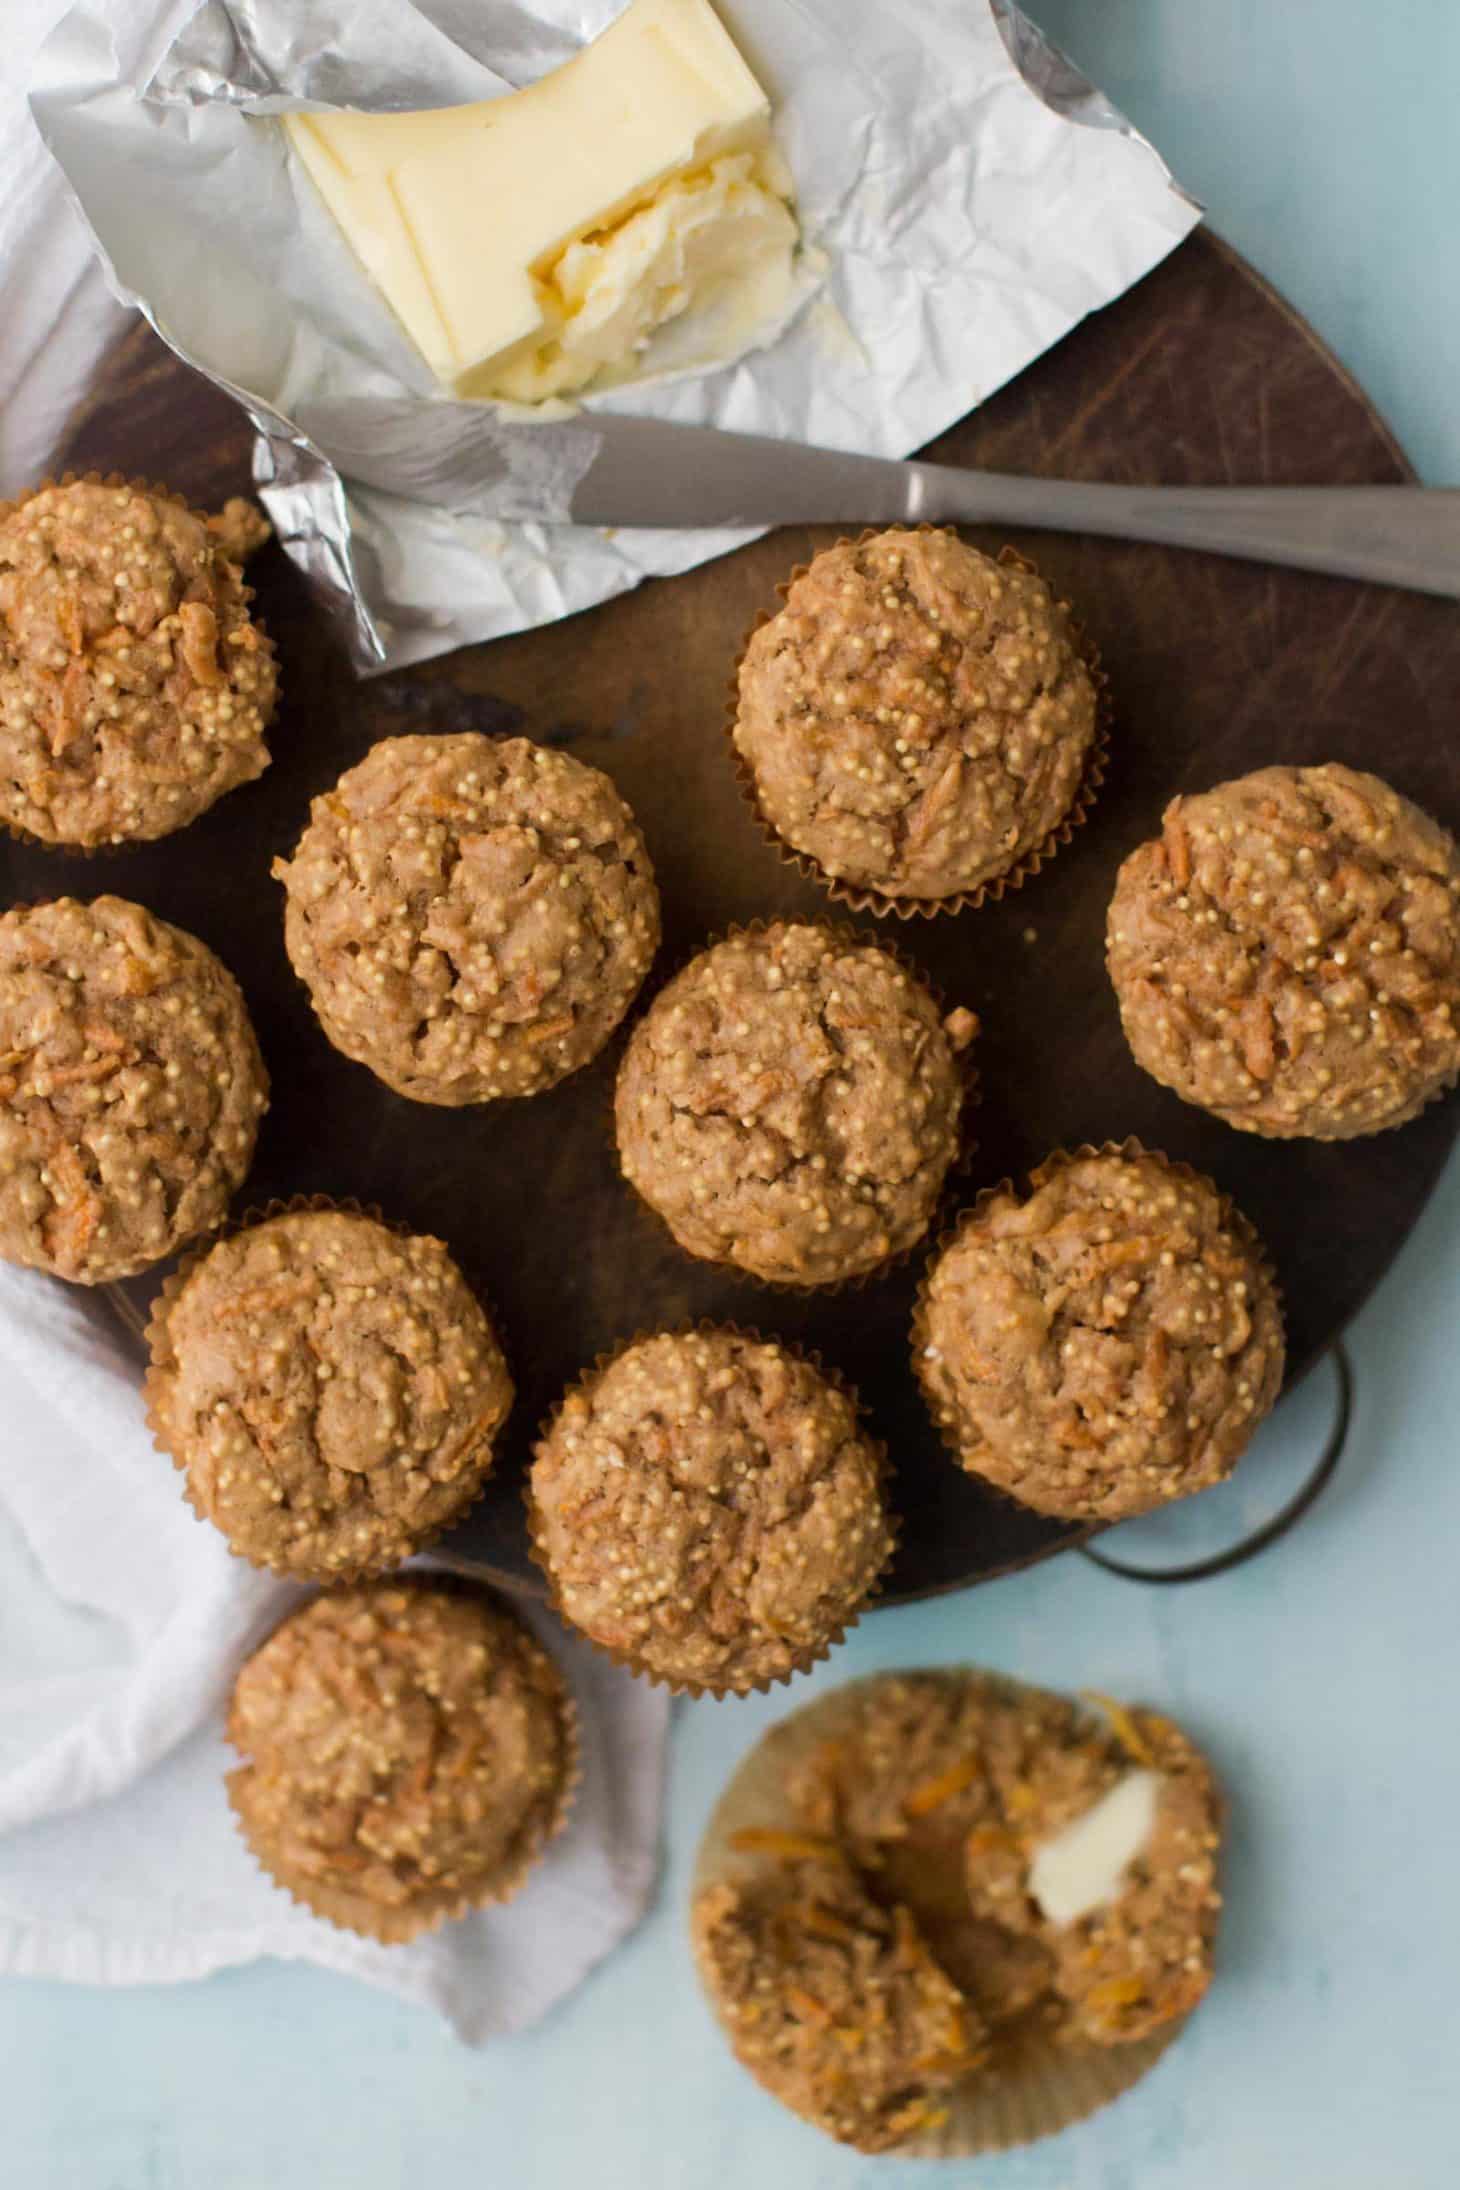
532	244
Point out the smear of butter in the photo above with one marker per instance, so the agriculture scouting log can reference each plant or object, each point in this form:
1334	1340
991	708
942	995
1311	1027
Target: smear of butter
532	245
721	238
1084	1866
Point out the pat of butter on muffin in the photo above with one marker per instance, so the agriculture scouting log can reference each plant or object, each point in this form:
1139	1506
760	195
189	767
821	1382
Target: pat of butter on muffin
1084	1866
533	245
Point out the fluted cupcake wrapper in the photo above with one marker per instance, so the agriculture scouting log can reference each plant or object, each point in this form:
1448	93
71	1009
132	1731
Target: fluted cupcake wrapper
803	1658
1036	2082
965	1060
156	1340
394	1925
72	847
1058	1160
862	897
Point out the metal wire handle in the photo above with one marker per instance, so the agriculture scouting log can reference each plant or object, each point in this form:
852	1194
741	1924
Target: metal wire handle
1221	1562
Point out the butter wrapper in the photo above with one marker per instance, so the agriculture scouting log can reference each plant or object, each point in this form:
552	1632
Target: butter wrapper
965	196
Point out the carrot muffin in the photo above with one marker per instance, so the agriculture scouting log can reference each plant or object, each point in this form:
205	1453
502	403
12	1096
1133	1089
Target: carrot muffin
1287	953
135	688
1104	1343
472	916
1054	1869
1084	1845
408	1749
791	1104
330	1389
707	1507
917	718
832	2001
131	1088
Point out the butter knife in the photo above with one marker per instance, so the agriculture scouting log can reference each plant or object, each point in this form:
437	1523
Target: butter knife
649	472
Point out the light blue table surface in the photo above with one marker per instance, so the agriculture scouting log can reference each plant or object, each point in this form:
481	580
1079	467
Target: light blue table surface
1322	135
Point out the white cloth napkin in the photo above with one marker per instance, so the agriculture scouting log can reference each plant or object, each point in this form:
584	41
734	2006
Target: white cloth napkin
122	1618
58	314
122	1621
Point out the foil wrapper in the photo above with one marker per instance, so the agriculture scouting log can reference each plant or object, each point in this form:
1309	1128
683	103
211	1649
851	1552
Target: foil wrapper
965	198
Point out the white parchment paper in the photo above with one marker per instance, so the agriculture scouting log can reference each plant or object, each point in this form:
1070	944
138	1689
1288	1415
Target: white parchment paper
966	198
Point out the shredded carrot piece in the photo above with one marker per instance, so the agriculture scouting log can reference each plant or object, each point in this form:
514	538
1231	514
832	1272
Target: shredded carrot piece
824	1922
1119	1254
351	1860
953	2048
550	1029
807	2006
1257	1033
910	1949
958	2031
1178	845
264	1299
1117	1992
1122	1725
468	1756
453	809
918	2115
420	1778
100	1069
934	1792
791	1847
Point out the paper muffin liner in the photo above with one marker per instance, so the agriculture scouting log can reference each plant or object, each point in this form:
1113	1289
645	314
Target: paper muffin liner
1058	1160
864	898
107	849
392	1927
155	1338
965	1061
805	1657
1036	2082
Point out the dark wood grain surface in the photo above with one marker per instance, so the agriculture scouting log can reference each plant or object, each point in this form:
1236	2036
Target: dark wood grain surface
1199	375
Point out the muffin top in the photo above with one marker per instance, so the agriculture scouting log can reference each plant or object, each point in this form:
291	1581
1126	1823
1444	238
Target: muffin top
916	718
1105	1343
1287	953
408	1749
1053	1858
832	2000
472	916
131	1088
239	529
331	1389
791	1104
135	688
707	1506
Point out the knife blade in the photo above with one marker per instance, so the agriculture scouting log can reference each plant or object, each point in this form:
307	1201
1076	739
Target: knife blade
649	472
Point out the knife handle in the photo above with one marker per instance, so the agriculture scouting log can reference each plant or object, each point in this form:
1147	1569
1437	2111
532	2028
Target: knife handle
1402	536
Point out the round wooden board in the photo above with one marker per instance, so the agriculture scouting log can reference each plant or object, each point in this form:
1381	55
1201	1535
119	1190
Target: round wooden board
1199	375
